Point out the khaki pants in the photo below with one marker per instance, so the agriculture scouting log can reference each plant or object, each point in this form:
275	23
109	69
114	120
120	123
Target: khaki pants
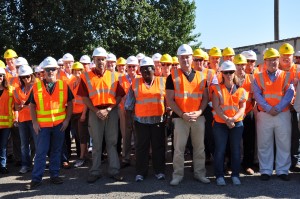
182	129
109	129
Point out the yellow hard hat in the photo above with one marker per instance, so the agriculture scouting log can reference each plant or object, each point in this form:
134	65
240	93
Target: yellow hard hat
228	52
270	53
198	53
215	52
77	65
9	53
286	49
175	60
240	59
205	56
2	65
166	58
121	61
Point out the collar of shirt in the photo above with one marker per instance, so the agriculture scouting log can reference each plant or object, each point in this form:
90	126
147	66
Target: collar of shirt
14	74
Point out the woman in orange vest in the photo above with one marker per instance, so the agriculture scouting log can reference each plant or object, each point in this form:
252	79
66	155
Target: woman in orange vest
79	120
27	134
147	97
229	102
6	117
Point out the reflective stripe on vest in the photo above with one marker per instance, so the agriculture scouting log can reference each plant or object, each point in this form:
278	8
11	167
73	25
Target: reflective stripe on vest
149	100
8	119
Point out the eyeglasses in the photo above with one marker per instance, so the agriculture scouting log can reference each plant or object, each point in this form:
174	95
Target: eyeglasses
25	77
228	72
251	61
198	60
131	66
50	69
165	64
2	75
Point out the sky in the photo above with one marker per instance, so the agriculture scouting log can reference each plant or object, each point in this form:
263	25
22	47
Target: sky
237	23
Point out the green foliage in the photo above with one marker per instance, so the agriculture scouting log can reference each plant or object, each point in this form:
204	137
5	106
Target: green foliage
36	29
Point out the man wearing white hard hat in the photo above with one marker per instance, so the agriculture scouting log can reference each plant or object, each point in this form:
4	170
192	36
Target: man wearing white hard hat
39	72
146	99
251	61
60	63
101	92
188	97
27	134
68	61
126	116
85	60
50	118
297	57
156	59
111	62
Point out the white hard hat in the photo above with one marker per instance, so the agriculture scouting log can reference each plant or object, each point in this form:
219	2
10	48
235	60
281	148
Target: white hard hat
68	57
132	60
228	65
21	61
297	54
147	61
38	69
49	62
140	56
2	71
25	70
184	49
249	54
85	59
111	57
60	61
156	57
101	52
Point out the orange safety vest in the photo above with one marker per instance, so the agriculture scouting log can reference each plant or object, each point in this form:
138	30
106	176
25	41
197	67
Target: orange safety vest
247	85
188	95
78	104
61	75
124	82
50	109
273	91
6	110
229	103
21	98
14	82
102	90
149	101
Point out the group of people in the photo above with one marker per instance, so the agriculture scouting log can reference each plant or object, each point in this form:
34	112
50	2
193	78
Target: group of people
216	106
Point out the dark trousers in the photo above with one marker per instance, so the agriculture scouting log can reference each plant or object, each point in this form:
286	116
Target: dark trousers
147	134
208	137
249	140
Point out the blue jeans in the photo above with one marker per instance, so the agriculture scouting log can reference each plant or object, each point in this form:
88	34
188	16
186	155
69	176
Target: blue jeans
26	135
221	134
4	134
48	138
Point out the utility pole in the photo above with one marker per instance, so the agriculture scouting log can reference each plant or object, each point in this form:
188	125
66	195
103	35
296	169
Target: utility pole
276	20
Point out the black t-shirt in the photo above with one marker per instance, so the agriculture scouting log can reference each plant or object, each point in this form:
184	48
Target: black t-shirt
1	91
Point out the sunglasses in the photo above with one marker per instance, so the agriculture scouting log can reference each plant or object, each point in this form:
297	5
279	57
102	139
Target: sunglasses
2	75
297	57
166	64
251	61
198	60
25	77
50	69
131	66
228	72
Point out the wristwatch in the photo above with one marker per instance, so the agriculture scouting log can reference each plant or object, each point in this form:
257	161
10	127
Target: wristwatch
108	109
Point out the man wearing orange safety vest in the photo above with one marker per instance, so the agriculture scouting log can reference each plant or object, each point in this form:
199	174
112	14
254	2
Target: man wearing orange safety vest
186	94
101	92
273	92
50	118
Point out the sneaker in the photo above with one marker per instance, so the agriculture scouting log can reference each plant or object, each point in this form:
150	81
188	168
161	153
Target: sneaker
235	181
160	176
56	180
24	169
79	163
32	185
175	181
93	178
139	178
221	181
202	179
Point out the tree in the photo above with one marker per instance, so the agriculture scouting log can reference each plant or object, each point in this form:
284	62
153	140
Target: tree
36	29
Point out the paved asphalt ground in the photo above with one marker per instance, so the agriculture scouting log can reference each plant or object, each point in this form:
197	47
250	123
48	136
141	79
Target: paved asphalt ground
75	185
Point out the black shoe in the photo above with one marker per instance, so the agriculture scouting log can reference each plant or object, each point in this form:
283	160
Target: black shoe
117	177
56	180
125	164
4	170
32	185
284	177
93	178
265	177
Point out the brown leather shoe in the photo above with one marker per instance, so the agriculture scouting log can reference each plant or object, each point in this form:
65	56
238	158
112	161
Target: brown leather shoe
117	177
